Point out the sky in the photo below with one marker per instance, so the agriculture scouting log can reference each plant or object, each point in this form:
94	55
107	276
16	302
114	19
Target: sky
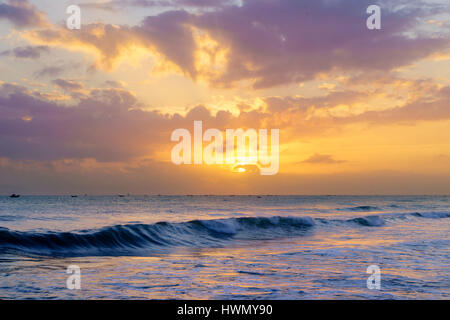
91	111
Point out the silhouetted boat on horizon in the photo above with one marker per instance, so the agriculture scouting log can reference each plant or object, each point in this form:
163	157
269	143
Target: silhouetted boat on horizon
14	195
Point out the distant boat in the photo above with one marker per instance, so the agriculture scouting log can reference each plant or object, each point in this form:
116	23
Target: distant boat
14	195
74	196
121	195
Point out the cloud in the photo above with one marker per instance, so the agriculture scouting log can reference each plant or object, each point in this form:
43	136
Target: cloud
266	43
99	137
278	42
105	140
97	127
30	52
104	124
110	124
55	69
68	85
422	109
49	71
321	159
402	101
22	14
114	84
108	42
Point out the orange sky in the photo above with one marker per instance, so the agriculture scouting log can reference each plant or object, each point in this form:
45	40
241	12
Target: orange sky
92	110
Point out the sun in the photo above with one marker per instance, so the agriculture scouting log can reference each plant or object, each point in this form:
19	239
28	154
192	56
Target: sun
246	168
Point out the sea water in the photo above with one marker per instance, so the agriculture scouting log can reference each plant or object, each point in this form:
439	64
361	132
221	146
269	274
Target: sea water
225	247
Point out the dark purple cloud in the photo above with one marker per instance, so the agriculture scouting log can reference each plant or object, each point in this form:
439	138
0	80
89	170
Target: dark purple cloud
26	52
95	128
68	85
22	14
283	41
56	69
275	42
105	124
109	124
170	34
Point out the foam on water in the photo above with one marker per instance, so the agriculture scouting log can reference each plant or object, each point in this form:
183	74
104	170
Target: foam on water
147	238
269	247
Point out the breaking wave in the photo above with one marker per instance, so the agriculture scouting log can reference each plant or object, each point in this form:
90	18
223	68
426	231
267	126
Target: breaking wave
135	239
130	238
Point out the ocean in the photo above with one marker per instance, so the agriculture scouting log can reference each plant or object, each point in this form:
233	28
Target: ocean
225	247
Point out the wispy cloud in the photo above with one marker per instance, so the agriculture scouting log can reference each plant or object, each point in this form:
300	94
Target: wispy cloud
55	70
321	159
69	85
26	52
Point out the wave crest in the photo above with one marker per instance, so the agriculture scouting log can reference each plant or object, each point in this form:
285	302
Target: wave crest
123	239
144	239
